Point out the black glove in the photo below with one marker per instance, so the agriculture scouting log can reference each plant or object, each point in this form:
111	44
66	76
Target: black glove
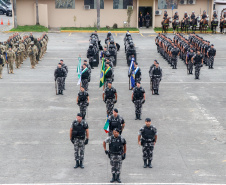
106	152
3	65
123	156
115	101
72	141
86	141
143	101
87	103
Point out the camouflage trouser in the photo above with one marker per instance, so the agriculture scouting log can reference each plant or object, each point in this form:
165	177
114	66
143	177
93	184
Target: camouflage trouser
1	68
156	82
147	149
174	61
83	106
109	106
85	84
137	80
10	64
60	82
21	57
210	61
107	80
116	163
79	147
17	62
138	106
190	66
197	70
32	60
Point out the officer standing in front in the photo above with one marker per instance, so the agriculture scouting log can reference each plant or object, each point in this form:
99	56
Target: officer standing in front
138	98
116	153
83	101
147	137
211	53
156	77
197	60
116	121
79	136
110	98
59	75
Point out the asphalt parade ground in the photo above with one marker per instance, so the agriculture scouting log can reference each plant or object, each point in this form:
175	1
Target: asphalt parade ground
189	114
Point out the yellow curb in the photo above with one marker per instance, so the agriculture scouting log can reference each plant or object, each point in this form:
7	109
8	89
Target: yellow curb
89	31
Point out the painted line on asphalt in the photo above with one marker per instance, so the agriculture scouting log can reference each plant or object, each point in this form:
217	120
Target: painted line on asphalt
122	183
141	34
3	82
69	34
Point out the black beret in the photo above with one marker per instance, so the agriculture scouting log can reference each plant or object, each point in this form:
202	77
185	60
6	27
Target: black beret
116	110
79	114
148	119
117	130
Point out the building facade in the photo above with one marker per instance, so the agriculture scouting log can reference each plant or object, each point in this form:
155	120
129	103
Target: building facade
82	13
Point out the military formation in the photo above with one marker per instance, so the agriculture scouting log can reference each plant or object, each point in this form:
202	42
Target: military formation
17	49
114	145
194	51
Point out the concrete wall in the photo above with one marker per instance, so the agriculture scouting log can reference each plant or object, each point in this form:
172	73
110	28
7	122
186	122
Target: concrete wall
198	8
75	17
219	7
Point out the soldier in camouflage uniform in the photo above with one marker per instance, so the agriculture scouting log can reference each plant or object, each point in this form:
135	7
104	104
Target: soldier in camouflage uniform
211	53
10	59
22	49
138	98
110	98
2	63
116	153
147	137
16	49
32	52
156	77
83	101
79	136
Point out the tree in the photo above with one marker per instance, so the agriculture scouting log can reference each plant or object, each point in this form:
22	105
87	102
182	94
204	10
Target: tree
98	14
37	16
15	16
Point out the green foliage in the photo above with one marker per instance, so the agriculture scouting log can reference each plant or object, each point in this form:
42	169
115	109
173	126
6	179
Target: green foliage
33	28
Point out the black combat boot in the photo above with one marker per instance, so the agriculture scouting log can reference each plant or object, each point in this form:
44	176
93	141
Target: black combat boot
77	164
113	178
118	178
139	116
157	92
149	164
145	163
136	117
62	92
81	164
58	91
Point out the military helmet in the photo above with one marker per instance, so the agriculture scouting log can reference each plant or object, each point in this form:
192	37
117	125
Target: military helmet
90	46
32	43
204	11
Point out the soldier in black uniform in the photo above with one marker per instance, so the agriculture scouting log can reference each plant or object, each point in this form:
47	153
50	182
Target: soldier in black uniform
156	77
138	98
91	53
108	74
83	101
85	77
110	98
211	53
79	136
147	19
174	52
116	153
189	62
137	72
214	17
197	60
66	69
165	16
116	121
147	137
59	75
89	69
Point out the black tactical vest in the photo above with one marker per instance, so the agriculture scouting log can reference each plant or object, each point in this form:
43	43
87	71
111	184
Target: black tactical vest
115	145
148	133
82	96
138	94
110	93
115	123
78	130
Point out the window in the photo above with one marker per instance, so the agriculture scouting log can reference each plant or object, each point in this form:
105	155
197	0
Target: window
167	4
65	4
93	4
122	4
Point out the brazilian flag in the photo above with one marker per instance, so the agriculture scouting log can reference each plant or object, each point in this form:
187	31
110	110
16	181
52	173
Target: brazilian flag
102	73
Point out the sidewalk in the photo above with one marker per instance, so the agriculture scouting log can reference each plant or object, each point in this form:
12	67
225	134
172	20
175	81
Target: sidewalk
146	30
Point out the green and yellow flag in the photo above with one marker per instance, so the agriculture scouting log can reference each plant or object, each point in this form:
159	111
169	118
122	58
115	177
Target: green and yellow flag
102	73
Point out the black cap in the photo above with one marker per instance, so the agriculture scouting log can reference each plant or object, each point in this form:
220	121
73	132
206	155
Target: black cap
107	63
59	63
110	82
85	64
136	63
116	129
212	45
79	114
85	60
148	119
116	110
138	82
82	86
157	62
61	60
